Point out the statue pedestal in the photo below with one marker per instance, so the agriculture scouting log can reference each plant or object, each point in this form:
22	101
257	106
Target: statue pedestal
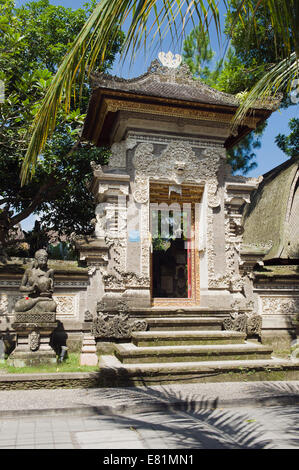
33	339
88	356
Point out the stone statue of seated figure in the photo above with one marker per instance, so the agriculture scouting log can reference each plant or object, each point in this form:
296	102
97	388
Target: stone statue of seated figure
37	285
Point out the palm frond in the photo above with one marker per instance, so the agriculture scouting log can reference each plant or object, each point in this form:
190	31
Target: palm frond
91	45
265	93
150	21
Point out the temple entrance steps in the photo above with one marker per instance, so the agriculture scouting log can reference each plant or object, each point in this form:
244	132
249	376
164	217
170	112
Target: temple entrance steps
191	349
188	323
174	345
130	354
186	338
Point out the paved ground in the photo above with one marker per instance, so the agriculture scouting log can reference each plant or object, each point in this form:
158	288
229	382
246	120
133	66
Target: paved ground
190	416
250	428
231	394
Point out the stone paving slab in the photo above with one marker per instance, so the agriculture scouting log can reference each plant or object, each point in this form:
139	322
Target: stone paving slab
247	428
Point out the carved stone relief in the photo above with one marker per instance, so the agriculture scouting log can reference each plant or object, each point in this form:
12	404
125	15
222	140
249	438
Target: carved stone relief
3	304
249	324
166	139
116	323
232	279
43	317
88	316
128	281
119	151
178	163
280	305
145	241
34	340
118	249
66	305
7	302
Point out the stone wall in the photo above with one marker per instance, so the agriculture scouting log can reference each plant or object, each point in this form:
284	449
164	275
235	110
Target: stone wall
277	290
72	292
77	289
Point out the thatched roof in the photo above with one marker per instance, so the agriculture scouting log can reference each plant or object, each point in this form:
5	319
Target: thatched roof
271	219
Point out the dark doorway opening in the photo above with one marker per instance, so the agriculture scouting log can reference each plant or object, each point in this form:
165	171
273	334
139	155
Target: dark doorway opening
170	269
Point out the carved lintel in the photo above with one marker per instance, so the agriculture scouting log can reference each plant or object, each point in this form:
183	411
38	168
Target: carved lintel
128	280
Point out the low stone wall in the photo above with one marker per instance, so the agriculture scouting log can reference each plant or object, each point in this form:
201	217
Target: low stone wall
53	380
276	289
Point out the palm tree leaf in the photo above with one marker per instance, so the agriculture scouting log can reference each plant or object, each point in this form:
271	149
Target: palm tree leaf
279	78
92	44
148	22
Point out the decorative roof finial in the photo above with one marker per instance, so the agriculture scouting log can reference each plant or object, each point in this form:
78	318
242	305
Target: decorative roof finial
169	59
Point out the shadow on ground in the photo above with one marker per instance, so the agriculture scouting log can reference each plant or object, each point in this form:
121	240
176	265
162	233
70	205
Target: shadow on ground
193	421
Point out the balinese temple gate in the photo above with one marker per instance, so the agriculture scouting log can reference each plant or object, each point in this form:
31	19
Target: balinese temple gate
189	268
168	231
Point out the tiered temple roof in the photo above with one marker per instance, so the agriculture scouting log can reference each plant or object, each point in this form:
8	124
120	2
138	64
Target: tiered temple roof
172	92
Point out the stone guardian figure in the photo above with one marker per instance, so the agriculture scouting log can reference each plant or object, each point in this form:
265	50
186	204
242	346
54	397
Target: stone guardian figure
35	316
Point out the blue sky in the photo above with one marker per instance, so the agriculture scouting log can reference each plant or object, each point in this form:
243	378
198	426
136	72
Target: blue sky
267	157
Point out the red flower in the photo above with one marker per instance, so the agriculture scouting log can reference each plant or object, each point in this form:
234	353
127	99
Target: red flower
26	298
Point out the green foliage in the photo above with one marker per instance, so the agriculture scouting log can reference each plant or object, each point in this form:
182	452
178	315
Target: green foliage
229	76
34	39
255	47
257	44
198	55
290	144
70	364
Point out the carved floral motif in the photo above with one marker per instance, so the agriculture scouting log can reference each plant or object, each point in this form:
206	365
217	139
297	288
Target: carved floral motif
129	280
115	323
168	59
280	305
65	304
34	340
177	163
249	324
118	157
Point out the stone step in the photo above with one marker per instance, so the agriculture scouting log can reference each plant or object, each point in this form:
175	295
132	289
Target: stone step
177	338
114	374
165	312
184	323
127	353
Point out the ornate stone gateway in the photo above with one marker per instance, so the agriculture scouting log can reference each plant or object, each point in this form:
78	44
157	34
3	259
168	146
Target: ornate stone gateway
168	216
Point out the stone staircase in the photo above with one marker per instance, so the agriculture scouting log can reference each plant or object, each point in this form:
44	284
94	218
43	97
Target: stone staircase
191	349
